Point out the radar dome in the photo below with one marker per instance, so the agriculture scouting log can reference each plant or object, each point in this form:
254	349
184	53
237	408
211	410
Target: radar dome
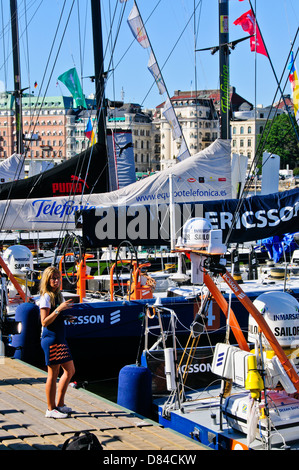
196	233
17	257
281	312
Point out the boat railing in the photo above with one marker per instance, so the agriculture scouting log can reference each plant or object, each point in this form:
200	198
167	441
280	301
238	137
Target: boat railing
135	288
80	271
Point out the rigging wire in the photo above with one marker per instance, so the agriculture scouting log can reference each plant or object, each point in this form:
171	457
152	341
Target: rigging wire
101	106
259	149
21	161
100	99
174	46
8	201
3	47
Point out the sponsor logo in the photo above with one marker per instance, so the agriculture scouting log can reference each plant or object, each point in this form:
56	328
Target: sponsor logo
220	359
196	368
189	193
114	317
191	180
75	186
286	331
47	207
88	320
286	316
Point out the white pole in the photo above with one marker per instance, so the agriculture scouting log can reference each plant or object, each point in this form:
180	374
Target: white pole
172	213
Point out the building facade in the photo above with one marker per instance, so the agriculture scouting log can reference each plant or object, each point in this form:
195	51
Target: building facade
247	125
130	117
54	131
51	128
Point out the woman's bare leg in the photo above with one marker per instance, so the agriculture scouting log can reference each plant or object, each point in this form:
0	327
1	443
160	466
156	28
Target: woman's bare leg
68	372
51	386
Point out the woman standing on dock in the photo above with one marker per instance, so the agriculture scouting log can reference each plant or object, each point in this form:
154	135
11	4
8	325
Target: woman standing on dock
53	342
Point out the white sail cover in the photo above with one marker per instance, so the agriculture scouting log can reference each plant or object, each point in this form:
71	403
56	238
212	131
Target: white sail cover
12	168
205	176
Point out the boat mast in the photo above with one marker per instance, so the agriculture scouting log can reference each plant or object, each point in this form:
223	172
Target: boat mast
100	85
224	70
17	75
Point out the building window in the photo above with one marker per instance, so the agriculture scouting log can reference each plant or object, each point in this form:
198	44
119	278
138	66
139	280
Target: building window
249	129
241	130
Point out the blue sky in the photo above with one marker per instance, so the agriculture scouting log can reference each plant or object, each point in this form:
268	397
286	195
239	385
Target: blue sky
165	22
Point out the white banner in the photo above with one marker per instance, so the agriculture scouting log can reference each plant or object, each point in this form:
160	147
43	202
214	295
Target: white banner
205	176
184	151
172	119
154	69
137	27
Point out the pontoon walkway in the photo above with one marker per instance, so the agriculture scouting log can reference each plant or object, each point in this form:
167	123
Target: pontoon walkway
23	425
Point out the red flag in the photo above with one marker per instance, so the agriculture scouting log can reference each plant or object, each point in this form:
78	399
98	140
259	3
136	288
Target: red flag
248	23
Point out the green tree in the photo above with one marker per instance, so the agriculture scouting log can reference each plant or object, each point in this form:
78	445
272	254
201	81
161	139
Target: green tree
279	138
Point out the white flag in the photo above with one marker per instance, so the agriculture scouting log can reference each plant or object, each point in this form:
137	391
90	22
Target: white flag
154	69
170	115
137	28
184	151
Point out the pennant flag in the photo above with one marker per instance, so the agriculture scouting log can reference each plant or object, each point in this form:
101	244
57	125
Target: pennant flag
248	23
35	84
90	133
137	28
184	152
154	69
72	82
293	77
172	119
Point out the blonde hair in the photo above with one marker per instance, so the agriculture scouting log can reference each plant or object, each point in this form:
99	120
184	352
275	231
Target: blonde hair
45	288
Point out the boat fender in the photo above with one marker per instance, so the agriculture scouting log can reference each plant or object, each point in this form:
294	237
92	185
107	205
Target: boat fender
27	343
135	389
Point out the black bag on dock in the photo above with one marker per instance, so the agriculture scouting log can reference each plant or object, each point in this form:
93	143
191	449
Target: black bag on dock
87	441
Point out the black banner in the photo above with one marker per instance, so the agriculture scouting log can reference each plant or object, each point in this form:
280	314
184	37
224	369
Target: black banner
83	174
249	219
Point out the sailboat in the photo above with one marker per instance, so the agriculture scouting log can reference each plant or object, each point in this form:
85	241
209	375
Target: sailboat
102	324
250	401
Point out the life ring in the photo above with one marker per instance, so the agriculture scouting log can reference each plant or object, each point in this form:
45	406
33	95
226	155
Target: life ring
149	315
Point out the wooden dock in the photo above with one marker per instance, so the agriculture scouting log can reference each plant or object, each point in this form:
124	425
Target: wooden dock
23	425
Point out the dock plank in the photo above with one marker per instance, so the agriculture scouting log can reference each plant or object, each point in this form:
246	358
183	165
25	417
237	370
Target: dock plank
23	425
